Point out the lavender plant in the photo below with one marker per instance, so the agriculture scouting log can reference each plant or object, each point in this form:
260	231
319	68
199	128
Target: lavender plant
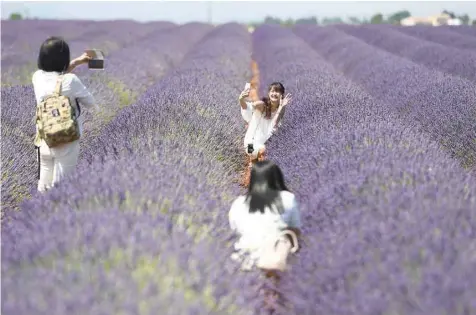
19	53
462	29
438	35
432	55
112	262
139	65
216	65
388	219
438	104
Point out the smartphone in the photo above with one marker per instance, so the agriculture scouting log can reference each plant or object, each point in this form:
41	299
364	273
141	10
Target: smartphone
97	60
247	86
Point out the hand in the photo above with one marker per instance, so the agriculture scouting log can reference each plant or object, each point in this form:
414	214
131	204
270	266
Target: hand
84	58
284	101
244	94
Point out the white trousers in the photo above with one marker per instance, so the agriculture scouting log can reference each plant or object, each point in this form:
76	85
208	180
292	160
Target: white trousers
56	163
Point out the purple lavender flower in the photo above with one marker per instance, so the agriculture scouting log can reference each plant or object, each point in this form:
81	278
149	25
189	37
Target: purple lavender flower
439	104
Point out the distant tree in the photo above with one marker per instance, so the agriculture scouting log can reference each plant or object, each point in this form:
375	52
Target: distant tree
16	16
474	23
377	19
464	19
332	20
272	20
451	14
398	16
288	22
354	20
311	20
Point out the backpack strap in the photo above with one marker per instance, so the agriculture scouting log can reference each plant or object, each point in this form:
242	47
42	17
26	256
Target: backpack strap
39	162
59	82
79	107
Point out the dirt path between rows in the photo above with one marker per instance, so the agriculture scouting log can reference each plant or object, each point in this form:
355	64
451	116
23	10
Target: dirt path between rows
254	96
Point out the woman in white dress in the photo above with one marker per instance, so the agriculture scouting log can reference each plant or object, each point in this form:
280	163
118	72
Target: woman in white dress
263	117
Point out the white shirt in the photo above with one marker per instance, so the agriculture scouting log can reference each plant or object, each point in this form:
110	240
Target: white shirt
256	228
44	84
260	129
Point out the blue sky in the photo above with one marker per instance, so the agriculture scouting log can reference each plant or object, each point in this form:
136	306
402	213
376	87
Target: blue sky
225	11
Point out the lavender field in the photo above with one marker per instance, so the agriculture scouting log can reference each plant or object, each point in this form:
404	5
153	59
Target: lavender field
379	144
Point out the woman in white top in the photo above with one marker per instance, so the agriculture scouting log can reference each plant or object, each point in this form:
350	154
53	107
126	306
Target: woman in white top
263	117
262	215
53	60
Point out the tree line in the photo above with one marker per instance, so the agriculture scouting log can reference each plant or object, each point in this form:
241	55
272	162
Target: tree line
378	18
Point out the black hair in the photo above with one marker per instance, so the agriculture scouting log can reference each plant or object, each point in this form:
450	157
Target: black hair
267	103
54	55
266	184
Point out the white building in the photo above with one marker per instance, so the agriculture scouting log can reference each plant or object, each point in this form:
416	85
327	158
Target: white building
436	20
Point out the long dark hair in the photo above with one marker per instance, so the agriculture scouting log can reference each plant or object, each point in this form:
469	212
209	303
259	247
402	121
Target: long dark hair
266	184
267	103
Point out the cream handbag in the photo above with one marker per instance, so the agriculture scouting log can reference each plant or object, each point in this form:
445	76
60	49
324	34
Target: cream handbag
275	253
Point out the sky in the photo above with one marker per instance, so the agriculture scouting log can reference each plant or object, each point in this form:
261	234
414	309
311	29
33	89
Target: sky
226	11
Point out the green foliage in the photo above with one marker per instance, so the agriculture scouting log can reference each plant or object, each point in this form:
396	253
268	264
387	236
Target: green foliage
377	19
16	16
398	16
465	19
354	20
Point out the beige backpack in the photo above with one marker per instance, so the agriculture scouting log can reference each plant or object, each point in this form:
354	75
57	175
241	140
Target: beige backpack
56	119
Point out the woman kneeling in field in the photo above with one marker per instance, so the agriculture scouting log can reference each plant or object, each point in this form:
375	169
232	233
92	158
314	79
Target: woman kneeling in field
263	117
267	219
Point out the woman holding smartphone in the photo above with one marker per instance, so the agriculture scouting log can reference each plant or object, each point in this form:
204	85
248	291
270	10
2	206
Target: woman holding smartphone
54	67
263	117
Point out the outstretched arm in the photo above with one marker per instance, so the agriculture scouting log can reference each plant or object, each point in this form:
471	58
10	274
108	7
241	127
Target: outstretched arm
244	102
84	58
244	98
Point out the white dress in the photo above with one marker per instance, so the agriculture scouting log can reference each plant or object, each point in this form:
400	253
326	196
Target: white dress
260	129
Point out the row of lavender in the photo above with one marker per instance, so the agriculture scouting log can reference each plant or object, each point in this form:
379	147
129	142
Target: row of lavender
142	227
445	58
19	53
125	79
389	220
458	37
440	104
